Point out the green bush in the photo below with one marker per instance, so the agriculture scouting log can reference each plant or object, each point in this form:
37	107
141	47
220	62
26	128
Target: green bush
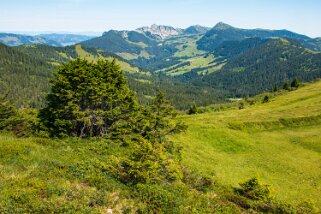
308	207
253	189
197	181
7	111
192	110
241	105
266	99
19	121
148	163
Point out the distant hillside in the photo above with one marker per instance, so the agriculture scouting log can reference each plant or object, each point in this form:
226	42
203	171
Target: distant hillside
17	39
313	44
66	39
143	51
25	72
193	51
58	55
120	41
272	63
229	49
224	60
57	40
223	32
205	63
196	29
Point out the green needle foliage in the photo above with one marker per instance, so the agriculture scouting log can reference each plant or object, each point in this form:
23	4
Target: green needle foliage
154	158
160	120
6	112
253	189
192	109
18	121
295	83
88	99
148	163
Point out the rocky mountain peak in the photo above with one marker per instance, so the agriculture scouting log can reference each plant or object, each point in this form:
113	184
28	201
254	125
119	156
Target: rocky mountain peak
160	31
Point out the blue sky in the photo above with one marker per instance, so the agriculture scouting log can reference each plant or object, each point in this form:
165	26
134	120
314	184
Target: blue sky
302	16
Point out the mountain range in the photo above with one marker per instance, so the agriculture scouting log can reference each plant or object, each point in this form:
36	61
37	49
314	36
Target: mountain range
224	60
223	32
57	40
163	32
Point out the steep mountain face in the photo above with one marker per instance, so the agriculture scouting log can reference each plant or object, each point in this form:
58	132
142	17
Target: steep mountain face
66	39
17	39
271	63
160	31
223	32
196	29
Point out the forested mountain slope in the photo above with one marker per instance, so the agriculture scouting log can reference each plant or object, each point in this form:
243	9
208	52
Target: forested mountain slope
26	70
23	78
272	63
223	32
238	62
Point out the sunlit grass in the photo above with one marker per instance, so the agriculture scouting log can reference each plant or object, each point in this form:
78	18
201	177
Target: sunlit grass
90	57
286	153
56	176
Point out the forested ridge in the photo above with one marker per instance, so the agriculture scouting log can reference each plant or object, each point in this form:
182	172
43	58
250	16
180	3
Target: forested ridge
239	63
25	73
273	63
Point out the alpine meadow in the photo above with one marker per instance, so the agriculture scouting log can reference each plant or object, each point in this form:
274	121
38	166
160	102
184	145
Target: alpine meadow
104	111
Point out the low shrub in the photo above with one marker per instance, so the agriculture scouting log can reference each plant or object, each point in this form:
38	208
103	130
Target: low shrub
253	189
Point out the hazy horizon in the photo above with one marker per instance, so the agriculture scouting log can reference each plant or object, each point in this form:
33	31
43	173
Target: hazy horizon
93	17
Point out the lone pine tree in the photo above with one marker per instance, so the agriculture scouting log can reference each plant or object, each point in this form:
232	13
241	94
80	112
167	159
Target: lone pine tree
88	99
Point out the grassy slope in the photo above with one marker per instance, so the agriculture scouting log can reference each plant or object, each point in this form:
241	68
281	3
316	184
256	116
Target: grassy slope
124	65
187	47
235	145
48	176
195	62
